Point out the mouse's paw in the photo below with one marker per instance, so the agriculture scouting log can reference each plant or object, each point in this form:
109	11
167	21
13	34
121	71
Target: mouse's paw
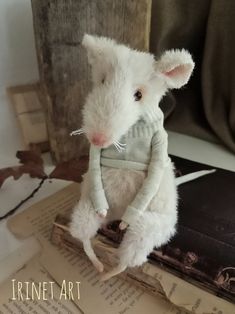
113	272
98	265
123	225
102	213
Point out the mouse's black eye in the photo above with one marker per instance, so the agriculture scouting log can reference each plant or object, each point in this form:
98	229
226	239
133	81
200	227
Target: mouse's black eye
138	95
103	80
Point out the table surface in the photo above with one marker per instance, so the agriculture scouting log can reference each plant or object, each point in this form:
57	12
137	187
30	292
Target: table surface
14	191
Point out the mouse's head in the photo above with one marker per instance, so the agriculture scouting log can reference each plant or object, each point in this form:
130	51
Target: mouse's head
127	85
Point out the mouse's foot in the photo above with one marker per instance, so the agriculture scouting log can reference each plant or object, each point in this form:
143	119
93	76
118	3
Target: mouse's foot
113	272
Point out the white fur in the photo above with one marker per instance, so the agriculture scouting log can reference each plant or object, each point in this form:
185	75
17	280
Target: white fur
110	108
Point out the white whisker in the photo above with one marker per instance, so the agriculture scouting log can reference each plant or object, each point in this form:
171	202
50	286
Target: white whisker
77	132
120	149
118	146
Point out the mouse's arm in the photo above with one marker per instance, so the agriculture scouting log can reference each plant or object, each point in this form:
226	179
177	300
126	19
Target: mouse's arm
159	160
97	193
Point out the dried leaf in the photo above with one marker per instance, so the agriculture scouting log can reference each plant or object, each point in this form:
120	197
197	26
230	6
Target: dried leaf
71	170
26	156
31	163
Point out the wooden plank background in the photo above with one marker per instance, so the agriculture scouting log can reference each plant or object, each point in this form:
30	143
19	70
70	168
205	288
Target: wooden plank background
64	73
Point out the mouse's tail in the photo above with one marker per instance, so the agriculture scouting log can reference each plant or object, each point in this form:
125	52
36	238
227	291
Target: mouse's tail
92	256
193	176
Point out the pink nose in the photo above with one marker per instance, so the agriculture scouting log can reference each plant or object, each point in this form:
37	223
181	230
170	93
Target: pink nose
98	139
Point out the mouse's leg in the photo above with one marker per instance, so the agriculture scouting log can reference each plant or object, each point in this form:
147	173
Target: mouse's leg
84	225
150	229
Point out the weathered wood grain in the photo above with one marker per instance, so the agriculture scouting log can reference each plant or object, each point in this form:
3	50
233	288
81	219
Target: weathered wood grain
64	74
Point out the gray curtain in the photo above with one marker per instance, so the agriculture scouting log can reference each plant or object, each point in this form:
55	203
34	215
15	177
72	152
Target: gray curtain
206	106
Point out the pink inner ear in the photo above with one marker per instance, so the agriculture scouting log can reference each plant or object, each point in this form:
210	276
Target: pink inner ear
179	70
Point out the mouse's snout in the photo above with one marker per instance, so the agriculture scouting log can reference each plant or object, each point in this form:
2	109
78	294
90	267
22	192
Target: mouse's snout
99	139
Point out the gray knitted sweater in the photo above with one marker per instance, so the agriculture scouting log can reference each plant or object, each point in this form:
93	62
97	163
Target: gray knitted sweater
146	149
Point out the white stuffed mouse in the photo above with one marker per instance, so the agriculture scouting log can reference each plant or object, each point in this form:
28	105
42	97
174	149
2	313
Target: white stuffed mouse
130	176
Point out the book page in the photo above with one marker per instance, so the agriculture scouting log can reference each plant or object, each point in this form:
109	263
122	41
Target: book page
18	258
178	291
25	300
115	295
38	218
186	295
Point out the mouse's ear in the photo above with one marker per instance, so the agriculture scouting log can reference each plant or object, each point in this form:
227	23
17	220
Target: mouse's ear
92	46
175	67
97	47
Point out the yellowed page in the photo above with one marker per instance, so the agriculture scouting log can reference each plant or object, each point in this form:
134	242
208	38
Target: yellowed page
114	296
184	294
24	300
38	218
